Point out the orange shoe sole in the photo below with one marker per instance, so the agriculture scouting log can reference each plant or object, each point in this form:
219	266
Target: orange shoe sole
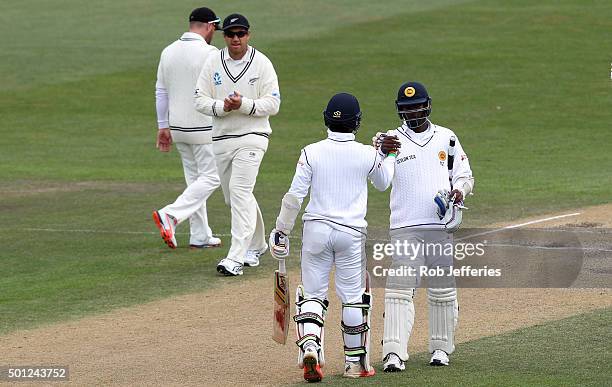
162	232
367	374
312	371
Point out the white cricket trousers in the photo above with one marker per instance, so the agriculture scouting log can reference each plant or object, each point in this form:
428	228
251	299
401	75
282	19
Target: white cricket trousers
202	179
238	171
323	247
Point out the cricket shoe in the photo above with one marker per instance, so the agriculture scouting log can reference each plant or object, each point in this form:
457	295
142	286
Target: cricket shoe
312	369
228	267
392	363
212	242
354	369
166	225
439	358
251	258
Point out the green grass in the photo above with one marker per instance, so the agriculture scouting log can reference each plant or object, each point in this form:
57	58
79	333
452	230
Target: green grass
569	352
524	85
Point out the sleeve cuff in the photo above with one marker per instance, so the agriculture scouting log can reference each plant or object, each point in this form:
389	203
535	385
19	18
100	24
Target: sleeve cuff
247	107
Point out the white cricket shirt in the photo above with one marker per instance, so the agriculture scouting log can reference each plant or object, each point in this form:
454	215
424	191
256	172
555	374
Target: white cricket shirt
253	76
421	169
336	171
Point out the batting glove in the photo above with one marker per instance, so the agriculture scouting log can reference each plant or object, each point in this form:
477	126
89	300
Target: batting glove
279	244
454	216
442	201
377	140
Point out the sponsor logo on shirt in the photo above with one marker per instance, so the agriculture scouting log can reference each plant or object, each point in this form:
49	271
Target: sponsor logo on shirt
217	79
402	159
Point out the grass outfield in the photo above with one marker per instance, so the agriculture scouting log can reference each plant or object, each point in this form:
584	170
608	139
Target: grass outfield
569	352
524	85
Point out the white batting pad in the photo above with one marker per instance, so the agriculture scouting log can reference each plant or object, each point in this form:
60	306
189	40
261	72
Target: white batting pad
399	318
443	318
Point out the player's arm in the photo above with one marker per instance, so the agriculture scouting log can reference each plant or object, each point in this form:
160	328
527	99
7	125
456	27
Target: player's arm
204	99
164	137
292	201
290	207
463	181
383	170
386	148
268	102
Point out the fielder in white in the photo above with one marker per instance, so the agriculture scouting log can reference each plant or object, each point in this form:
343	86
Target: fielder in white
179	122
238	87
431	177
336	171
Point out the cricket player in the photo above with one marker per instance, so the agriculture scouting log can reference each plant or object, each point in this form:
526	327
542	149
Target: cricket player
431	178
336	171
179	122
238	88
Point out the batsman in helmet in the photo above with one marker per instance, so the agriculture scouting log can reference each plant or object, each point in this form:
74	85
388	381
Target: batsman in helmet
336	171
431	178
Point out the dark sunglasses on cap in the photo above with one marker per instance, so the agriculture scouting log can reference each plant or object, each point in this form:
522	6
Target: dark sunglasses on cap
240	34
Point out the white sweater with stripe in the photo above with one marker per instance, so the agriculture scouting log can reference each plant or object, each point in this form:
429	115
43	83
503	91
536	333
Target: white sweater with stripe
179	67
254	78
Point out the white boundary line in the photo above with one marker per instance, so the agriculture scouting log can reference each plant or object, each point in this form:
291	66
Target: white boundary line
35	229
542	220
519	225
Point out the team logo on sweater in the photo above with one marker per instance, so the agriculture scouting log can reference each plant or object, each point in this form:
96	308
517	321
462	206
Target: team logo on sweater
442	157
217	79
253	80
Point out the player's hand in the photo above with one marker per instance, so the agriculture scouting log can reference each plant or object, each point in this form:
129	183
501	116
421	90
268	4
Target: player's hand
232	101
279	244
390	144
458	196
164	140
236	100
377	139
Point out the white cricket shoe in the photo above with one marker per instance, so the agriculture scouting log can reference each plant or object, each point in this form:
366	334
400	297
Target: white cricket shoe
166	225
439	358
212	242
312	369
228	267
392	363
251	258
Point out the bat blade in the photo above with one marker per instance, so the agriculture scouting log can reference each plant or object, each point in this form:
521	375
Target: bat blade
280	326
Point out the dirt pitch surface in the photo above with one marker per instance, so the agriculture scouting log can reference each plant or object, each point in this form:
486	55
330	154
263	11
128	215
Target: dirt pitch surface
222	336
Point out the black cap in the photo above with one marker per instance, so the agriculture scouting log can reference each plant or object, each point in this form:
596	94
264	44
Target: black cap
235	20
412	93
205	15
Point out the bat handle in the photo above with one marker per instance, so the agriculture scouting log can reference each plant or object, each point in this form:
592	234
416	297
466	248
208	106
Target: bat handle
281	266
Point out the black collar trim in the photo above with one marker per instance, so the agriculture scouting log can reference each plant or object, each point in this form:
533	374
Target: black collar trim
409	138
244	70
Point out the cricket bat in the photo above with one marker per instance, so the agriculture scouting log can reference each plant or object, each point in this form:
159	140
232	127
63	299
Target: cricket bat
282	310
